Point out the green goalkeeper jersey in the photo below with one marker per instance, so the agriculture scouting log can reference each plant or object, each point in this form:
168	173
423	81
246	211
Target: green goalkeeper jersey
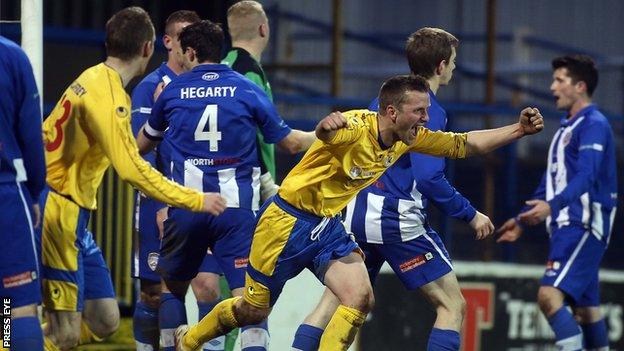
242	62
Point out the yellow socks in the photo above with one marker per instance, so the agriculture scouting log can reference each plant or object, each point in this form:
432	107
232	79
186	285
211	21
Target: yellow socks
48	345
218	322
340	332
86	335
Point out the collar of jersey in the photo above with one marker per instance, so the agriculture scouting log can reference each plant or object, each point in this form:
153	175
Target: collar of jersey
167	71
566	122
211	67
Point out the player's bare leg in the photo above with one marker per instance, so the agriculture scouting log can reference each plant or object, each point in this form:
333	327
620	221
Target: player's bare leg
348	279
445	296
100	318
323	312
62	329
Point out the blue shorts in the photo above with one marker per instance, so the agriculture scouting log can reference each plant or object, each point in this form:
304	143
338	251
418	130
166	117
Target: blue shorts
19	262
573	263
416	262
188	236
147	242
73	267
286	241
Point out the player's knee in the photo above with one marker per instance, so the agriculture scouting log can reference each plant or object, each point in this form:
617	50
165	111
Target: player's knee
247	314
151	298
364	301
548	301
107	323
206	290
67	337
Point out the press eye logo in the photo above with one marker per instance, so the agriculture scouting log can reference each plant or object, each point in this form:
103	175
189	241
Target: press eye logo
6	322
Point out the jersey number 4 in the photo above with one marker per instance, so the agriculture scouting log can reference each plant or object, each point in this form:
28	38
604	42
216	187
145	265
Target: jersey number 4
213	135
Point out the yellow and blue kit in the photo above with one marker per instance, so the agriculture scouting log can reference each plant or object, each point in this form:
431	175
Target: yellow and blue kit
300	227
88	130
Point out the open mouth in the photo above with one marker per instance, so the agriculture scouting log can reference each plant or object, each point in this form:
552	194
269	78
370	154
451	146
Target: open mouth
414	130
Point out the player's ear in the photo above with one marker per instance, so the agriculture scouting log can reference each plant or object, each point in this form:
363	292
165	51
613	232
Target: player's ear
580	87
391	112
263	30
168	42
147	49
440	68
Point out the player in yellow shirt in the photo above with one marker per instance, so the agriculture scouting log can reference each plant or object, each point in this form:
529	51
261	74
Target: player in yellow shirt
300	227
88	130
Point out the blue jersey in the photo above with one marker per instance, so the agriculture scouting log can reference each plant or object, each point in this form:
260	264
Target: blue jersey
209	117
393	208
580	182
142	103
21	141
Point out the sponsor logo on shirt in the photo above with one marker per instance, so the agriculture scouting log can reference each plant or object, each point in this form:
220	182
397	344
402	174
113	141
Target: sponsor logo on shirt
210	76
241	262
19	279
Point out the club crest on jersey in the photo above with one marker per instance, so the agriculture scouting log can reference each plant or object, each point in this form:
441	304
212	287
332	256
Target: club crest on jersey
388	160
152	260
566	138
551	268
210	76
121	112
357	172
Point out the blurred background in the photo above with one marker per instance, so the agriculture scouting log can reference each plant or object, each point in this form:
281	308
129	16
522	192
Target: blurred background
330	55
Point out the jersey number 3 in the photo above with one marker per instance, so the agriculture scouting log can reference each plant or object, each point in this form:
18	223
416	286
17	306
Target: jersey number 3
213	135
58	126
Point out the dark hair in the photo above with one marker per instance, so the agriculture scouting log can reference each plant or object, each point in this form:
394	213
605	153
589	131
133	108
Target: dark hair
206	38
393	90
581	68
426	48
181	16
127	31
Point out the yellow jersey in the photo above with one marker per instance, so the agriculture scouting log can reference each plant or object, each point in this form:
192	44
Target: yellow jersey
88	130
331	174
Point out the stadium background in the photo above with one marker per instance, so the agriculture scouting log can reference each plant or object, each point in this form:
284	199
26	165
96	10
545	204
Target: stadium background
333	54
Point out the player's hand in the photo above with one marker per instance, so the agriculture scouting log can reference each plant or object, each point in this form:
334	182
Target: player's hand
482	226
333	121
537	214
161	216
510	231
531	121
159	89
36	211
214	204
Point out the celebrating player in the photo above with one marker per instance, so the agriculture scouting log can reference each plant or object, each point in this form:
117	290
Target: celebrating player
22	177
577	197
389	219
208	118
301	228
88	130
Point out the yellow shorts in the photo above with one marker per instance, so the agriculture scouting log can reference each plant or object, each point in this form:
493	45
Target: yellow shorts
73	266
286	241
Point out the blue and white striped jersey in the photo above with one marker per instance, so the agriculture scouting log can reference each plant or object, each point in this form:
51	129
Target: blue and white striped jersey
580	182
209	118
21	141
393	208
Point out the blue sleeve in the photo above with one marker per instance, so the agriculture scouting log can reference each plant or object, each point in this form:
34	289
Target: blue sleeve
30	136
142	102
271	125
157	120
428	171
374	105
593	140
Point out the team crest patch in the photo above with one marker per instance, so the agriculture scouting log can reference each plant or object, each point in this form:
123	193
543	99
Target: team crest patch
241	262
121	112
388	160
152	260
566	138
19	279
551	268
355	172
415	262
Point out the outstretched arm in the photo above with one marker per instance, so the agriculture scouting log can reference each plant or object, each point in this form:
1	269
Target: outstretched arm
484	141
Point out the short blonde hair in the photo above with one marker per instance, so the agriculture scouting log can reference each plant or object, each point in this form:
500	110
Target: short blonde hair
244	17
